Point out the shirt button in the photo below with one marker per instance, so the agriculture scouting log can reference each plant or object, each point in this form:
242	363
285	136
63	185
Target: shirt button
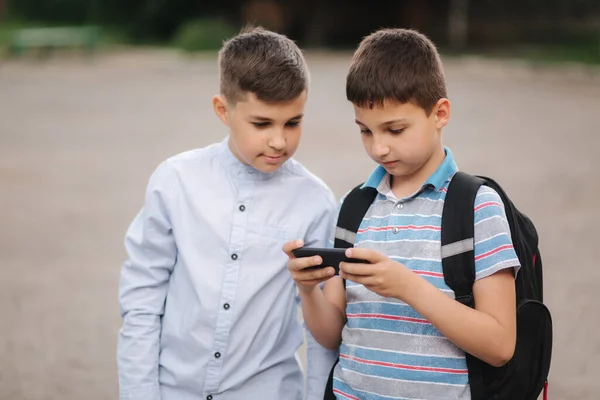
395	230
217	355
209	397
242	208
226	306
400	206
234	257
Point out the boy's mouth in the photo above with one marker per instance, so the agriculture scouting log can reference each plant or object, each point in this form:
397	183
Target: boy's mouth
389	164
273	159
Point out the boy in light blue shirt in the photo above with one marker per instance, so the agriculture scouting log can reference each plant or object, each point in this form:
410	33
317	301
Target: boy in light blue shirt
209	308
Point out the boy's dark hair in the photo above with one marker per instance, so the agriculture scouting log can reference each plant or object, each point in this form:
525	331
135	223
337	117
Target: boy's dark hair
262	62
398	65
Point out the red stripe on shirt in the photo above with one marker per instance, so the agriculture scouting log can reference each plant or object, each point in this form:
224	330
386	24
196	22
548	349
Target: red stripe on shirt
346	395
488	204
389	317
427	273
404	366
402	228
492	252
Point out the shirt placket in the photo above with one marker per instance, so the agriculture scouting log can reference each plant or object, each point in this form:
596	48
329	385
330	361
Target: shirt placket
232	264
399	209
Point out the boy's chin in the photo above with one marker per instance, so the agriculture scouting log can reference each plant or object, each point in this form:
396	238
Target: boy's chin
264	167
400	170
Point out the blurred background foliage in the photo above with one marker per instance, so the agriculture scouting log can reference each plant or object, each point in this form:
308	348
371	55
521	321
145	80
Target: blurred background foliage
537	29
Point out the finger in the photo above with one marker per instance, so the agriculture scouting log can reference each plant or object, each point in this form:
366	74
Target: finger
360	279
298	264
315	282
316	275
370	255
350	277
292	245
357	269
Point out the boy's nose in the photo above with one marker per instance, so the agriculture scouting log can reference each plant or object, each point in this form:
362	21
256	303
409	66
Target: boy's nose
380	150
277	142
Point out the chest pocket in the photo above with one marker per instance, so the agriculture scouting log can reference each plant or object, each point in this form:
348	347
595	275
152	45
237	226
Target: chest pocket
267	236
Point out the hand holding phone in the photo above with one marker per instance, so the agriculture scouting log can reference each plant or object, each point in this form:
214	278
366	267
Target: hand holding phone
308	270
330	257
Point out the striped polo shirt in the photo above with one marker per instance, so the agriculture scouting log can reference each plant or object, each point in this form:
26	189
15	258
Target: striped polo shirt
388	350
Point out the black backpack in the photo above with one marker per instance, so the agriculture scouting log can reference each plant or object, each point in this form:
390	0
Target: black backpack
525	376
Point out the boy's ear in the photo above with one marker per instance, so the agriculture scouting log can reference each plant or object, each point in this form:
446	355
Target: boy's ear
220	107
442	113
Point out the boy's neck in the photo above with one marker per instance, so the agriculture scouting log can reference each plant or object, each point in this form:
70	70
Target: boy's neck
404	186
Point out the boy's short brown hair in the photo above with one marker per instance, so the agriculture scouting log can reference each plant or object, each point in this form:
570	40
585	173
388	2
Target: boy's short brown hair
262	62
398	65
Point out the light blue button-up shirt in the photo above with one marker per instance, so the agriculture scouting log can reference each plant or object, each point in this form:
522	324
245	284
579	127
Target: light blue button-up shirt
209	308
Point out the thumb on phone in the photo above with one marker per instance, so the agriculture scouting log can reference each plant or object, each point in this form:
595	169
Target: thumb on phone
288	247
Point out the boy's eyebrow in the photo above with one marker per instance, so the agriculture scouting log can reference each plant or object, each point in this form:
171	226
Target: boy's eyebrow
296	117
387	123
394	121
265	119
258	118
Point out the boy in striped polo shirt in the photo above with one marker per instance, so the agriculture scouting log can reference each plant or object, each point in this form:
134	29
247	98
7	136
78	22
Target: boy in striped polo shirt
400	333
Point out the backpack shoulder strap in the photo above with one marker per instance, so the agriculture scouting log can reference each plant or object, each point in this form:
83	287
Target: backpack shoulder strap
458	229
458	257
355	206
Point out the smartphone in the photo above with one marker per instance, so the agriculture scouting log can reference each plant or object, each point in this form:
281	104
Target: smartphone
331	257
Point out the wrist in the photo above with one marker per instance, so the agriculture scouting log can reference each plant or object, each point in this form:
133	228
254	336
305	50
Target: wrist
307	290
408	285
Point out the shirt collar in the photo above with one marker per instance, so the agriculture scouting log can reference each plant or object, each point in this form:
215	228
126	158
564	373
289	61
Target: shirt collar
237	168
444	172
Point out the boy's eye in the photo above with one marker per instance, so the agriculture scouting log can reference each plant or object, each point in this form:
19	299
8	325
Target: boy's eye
365	131
261	124
396	131
292	124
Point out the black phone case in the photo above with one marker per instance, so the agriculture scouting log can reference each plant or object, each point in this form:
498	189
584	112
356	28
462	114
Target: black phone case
331	257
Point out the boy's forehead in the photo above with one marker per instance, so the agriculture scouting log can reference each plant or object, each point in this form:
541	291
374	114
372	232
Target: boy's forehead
388	112
250	104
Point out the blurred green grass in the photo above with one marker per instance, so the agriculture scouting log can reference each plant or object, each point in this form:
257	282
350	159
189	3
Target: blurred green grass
208	35
203	35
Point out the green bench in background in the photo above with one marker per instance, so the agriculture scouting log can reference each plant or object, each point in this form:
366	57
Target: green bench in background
47	39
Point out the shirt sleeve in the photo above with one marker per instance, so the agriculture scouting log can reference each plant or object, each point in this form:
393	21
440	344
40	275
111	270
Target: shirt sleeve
143	287
319	360
494	249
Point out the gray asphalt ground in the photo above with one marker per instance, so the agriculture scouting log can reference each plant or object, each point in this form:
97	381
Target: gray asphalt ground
79	139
